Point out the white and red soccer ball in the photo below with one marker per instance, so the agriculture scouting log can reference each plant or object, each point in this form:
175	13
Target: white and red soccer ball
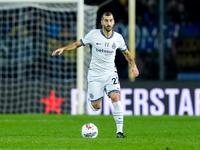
89	130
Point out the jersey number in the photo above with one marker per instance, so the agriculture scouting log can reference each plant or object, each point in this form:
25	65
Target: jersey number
115	80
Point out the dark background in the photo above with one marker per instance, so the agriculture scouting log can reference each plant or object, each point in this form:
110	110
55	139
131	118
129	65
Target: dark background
29	72
182	37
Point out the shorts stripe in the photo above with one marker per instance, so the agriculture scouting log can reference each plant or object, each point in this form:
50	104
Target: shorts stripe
96	99
113	91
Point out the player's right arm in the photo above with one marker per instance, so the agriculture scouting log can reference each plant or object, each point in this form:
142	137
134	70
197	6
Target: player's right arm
70	46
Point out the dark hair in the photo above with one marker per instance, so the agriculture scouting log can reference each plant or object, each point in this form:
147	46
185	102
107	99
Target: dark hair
107	13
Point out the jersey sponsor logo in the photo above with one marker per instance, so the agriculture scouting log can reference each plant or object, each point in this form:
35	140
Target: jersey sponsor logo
114	45
104	51
106	44
98	43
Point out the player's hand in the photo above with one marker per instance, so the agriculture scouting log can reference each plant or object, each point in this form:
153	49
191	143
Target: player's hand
59	51
135	71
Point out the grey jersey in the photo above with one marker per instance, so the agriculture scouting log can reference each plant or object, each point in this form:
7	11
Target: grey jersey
103	51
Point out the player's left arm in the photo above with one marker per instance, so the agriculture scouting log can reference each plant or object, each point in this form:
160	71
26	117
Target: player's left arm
131	61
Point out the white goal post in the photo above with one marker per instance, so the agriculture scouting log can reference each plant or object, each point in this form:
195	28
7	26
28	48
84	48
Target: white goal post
80	34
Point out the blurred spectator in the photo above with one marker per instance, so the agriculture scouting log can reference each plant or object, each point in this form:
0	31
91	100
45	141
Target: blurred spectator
171	8
152	12
141	12
192	6
182	15
181	19
176	13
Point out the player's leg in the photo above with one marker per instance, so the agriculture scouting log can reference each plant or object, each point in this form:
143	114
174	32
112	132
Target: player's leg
96	105
118	113
95	91
113	91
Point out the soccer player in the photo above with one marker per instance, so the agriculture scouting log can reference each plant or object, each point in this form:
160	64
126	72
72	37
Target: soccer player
102	73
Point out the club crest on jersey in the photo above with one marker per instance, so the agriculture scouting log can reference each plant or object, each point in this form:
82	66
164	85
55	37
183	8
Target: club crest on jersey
106	44
114	45
91	96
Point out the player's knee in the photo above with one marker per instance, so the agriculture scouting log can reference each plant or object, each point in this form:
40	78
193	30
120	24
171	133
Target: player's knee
96	106
115	97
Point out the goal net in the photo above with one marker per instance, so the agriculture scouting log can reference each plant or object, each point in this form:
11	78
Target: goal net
31	80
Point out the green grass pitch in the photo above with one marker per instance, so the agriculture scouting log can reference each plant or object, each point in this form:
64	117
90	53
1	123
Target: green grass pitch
63	132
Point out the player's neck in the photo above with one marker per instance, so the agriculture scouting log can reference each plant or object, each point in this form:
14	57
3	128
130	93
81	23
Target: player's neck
106	33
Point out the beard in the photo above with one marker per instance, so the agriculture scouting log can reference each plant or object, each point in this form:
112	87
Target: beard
108	28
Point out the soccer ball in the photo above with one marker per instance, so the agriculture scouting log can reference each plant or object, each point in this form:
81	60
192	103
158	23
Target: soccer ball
89	130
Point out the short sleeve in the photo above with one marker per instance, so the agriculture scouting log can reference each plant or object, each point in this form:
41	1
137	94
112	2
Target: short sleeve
122	46
87	38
